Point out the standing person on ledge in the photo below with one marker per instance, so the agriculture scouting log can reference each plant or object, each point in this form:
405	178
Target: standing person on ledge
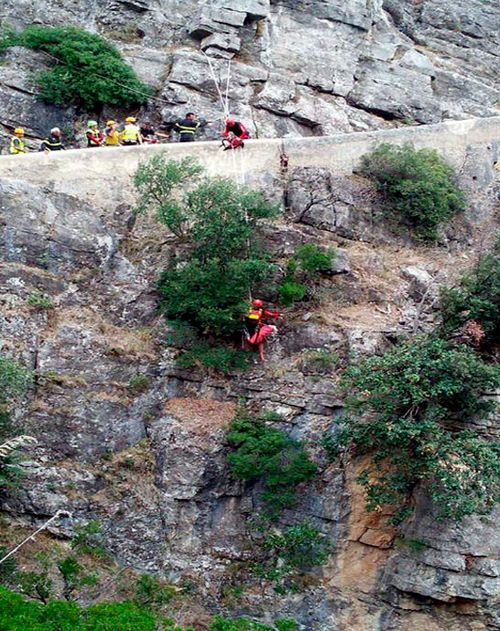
188	127
53	142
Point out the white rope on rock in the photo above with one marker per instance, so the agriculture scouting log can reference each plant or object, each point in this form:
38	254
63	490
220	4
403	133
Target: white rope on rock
58	515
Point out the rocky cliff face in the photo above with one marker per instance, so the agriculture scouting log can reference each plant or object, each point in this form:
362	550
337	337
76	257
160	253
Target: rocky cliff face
298	67
150	463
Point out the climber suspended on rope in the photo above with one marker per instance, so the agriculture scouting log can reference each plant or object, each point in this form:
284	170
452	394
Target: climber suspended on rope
234	134
256	330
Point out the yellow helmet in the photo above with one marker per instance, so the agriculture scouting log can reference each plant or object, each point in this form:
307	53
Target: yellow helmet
130	119
19	130
111	122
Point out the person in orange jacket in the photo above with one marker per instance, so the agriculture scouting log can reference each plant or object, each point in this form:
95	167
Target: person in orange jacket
234	134
256	328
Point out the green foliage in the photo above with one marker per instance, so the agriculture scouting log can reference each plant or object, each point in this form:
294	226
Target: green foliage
477	298
406	397
418	185
295	550
7	39
209	287
40	302
18	614
262	452
291	292
211	296
312	260
221	358
302	270
149	591
157	183
86	70
14	379
74	576
89	539
138	383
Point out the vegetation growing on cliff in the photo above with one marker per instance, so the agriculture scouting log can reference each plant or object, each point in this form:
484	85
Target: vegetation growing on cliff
302	270
418	186
218	260
476	299
87	70
18	614
405	403
266	455
14	379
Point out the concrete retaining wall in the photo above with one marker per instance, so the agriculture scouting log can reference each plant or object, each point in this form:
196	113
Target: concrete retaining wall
97	171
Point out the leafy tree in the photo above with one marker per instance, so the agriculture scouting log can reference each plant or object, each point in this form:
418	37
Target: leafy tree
418	186
262	452
86	70
403	402
477	298
207	286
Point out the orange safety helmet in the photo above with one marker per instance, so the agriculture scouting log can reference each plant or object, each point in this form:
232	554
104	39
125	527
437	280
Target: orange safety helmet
257	303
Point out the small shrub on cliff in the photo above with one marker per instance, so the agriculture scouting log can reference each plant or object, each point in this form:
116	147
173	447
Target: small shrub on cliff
404	402
303	268
262	452
418	186
295	550
477	298
86	70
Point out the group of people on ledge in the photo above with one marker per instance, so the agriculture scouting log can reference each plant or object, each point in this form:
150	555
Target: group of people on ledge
133	133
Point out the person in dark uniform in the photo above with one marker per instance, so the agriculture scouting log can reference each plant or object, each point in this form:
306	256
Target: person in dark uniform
53	142
187	127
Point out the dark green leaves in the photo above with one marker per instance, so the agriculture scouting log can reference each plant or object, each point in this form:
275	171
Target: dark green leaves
418	186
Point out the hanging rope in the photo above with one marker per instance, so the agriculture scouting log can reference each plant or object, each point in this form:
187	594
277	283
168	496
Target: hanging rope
59	514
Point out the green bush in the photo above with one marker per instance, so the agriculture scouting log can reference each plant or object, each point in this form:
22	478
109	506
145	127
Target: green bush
151	592
222	358
267	454
295	550
418	186
210	296
86	70
403	402
291	292
476	298
302	270
40	302
312	260
208	287
138	383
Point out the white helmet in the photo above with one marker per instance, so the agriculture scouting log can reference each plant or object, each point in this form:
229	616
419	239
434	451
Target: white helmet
55	130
